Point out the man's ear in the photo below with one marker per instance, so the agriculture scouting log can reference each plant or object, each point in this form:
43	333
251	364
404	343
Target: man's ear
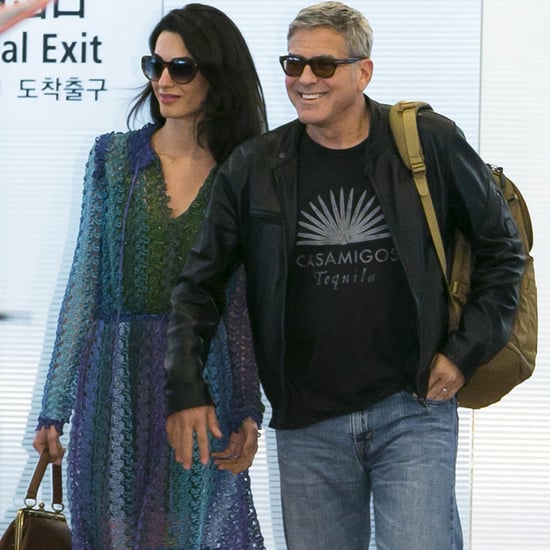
365	68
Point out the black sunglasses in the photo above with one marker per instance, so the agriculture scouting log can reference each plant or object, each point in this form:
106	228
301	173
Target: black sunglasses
182	69
322	66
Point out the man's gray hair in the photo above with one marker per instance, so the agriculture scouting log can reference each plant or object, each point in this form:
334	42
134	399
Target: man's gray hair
349	22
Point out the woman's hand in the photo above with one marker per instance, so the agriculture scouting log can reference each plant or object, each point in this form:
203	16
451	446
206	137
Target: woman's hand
239	454
48	438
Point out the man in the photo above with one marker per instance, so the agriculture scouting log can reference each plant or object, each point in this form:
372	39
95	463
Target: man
347	302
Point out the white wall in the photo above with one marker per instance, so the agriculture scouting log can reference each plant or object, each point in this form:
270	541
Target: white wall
511	446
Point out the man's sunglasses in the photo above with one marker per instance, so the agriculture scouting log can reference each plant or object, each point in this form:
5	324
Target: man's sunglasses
182	69
322	65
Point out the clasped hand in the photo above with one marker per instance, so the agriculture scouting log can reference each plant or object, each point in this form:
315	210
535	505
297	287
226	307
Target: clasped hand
182	427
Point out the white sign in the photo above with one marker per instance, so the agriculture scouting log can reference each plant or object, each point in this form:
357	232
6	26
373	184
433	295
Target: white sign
73	63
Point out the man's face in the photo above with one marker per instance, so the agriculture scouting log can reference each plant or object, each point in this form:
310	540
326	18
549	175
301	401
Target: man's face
326	104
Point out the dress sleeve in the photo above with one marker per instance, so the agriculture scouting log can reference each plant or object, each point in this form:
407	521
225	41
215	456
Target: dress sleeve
79	301
246	400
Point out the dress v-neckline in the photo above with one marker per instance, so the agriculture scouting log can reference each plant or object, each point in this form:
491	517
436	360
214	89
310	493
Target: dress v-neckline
183	214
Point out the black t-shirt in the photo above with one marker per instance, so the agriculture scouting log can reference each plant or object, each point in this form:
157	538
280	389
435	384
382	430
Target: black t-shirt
350	327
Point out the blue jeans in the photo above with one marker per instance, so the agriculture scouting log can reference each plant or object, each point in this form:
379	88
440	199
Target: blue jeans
400	451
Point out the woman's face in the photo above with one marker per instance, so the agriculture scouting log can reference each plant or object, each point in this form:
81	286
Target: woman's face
177	101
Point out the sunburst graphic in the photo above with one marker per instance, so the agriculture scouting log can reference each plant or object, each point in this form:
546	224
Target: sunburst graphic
342	223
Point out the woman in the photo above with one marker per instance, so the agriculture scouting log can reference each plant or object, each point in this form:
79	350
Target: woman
145	192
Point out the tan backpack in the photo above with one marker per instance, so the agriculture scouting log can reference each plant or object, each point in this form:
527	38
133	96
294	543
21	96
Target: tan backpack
515	362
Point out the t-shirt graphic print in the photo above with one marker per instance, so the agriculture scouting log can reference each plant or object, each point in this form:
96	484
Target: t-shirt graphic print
336	225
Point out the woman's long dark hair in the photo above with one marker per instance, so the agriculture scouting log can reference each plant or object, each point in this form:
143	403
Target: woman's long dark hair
234	109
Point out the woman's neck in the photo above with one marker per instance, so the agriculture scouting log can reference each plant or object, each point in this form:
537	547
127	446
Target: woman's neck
176	140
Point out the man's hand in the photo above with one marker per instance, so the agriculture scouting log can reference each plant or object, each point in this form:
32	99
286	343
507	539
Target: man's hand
239	454
182	426
445	378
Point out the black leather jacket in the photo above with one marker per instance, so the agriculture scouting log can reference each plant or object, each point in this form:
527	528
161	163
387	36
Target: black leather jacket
252	219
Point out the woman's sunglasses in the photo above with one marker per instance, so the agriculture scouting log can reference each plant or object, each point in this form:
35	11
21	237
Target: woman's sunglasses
182	69
321	66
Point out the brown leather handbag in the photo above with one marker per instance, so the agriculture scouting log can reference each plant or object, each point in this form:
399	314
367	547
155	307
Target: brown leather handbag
35	528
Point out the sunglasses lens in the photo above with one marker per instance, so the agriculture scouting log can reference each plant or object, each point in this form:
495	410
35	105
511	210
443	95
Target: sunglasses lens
152	68
182	70
294	66
323	68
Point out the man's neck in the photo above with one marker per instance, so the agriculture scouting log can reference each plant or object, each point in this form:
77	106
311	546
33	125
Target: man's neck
345	135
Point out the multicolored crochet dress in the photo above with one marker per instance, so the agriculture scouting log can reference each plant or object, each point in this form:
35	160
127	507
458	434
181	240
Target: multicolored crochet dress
106	374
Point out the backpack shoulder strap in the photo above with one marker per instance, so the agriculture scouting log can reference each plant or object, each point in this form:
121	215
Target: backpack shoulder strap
405	133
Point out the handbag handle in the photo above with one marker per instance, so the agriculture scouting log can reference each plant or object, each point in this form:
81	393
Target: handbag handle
57	487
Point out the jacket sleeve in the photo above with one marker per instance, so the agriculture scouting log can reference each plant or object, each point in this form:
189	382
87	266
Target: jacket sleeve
79	302
198	300
478	208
